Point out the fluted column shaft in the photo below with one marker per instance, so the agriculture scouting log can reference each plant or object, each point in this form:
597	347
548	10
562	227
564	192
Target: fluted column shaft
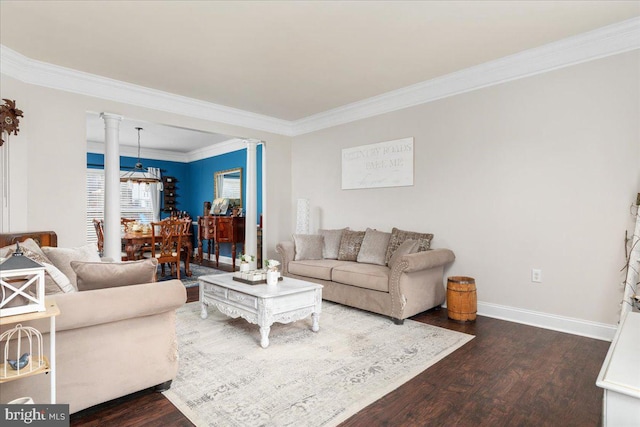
112	238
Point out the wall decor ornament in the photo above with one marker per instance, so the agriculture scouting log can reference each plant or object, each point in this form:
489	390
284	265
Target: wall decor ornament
385	164
9	121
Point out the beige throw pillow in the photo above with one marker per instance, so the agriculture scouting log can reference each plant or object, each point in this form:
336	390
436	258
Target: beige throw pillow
407	247
100	275
308	246
350	245
332	240
398	236
62	257
374	247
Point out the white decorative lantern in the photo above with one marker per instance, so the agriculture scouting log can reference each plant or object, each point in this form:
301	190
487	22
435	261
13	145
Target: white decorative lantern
21	286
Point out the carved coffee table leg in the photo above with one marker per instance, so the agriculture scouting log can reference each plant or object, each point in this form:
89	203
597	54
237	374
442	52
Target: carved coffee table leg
203	311
316	322
264	336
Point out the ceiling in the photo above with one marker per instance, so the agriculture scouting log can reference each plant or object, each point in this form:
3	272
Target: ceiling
154	136
286	59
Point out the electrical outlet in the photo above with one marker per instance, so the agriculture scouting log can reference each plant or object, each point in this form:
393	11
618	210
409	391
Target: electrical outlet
536	275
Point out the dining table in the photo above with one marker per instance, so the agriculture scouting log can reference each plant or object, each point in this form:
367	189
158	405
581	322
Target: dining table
134	241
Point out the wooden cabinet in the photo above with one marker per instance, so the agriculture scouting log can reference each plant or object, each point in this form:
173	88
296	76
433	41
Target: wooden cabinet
222	229
169	193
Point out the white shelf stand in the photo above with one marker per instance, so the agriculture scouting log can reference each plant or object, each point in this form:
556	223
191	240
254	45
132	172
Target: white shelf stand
16	335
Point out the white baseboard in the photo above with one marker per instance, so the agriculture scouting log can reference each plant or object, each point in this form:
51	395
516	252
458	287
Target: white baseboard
601	331
570	325
221	259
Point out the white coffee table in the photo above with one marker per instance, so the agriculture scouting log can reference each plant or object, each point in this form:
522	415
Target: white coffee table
286	302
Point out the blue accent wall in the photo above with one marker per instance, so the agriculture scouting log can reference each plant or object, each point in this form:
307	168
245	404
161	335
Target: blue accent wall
195	179
201	178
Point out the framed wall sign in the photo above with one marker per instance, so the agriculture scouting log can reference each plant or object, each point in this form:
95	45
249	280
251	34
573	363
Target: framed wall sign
385	164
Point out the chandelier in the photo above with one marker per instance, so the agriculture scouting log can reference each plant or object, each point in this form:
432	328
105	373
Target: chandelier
139	174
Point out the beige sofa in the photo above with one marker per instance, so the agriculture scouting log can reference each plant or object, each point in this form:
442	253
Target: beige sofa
413	283
109	343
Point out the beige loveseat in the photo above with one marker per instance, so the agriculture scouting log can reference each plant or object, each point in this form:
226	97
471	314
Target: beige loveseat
109	343
399	286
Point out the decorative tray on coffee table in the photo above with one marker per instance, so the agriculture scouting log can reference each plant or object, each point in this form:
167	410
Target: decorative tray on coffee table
252	277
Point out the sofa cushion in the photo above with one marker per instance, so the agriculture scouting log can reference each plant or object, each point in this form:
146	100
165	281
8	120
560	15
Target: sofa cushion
308	246
316	269
368	276
350	245
62	257
407	247
332	240
100	275
374	247
398	236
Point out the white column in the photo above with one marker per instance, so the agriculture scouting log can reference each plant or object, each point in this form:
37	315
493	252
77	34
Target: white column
112	236
5	187
265	219
251	201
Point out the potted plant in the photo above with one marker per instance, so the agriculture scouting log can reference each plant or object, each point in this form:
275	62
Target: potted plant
245	261
272	272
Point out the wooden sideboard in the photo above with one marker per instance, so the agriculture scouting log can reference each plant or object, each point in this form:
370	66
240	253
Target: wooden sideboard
220	229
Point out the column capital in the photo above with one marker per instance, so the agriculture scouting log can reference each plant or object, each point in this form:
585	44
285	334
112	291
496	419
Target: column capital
110	117
252	142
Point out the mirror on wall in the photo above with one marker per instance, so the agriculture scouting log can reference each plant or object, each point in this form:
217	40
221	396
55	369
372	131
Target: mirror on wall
228	184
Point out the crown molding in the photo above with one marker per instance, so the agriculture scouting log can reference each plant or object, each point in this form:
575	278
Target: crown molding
599	43
52	76
145	153
217	149
606	41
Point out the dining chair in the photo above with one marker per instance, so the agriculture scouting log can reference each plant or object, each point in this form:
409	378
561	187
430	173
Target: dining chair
98	224
186	247
166	243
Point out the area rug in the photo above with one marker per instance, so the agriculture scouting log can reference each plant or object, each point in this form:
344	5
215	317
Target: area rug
303	378
197	270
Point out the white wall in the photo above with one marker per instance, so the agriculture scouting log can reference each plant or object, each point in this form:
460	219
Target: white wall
534	173
48	160
538	172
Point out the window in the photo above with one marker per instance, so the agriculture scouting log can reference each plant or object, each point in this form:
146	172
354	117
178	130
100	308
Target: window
135	201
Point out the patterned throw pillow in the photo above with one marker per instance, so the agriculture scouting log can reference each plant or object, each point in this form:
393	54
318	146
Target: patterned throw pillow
51	286
350	245
374	247
399	236
409	246
332	240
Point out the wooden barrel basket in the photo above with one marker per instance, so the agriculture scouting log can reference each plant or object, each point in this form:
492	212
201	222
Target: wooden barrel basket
462	301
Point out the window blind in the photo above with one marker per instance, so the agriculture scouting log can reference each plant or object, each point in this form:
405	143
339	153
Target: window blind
135	202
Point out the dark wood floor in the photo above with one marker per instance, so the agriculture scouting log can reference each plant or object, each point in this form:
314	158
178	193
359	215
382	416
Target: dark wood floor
509	375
